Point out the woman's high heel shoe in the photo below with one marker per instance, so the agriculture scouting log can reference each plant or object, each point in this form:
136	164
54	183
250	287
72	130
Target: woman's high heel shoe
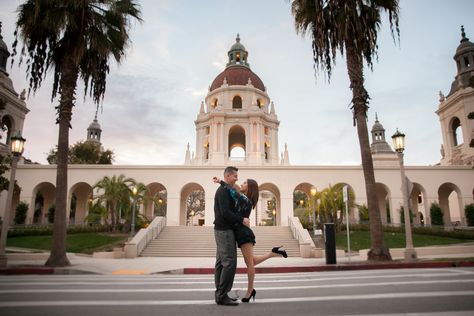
280	252
247	299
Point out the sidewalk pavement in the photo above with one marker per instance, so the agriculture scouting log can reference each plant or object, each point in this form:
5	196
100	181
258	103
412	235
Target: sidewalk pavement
84	264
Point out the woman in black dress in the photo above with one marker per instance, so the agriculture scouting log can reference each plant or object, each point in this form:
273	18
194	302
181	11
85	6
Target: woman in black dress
246	198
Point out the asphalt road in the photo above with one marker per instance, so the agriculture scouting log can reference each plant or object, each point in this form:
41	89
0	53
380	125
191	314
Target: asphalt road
448	291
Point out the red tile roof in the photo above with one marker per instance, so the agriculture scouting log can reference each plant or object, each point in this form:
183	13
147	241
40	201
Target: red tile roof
237	76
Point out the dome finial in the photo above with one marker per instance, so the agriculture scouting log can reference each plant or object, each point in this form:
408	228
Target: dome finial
376	118
463	34
237	39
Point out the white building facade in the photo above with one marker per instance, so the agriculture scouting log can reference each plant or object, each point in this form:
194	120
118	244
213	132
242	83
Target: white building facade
237	125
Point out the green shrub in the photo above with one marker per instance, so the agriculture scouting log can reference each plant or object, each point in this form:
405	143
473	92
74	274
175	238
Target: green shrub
437	231
436	214
51	214
20	213
363	213
402	216
37	230
469	211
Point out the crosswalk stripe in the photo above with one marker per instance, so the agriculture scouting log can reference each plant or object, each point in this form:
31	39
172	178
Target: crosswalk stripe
211	281
412	295
325	286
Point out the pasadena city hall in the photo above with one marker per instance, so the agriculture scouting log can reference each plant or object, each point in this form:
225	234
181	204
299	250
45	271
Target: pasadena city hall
237	124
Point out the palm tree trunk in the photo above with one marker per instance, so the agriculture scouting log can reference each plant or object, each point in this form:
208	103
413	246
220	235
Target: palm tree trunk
379	251
58	256
113	216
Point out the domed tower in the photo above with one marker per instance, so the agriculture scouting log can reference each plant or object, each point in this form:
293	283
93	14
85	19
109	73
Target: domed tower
457	129
12	106
94	131
382	153
237	123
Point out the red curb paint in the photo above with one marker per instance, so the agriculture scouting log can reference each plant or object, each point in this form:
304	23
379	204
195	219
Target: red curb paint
29	270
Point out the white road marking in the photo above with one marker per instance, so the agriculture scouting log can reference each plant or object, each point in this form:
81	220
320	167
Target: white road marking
284	288
244	280
18	304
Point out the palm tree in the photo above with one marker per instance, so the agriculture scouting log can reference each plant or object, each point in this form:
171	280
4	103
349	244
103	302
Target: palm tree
351	26
73	38
115	192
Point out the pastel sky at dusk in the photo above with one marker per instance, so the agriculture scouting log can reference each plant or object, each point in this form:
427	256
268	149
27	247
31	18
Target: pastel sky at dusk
153	97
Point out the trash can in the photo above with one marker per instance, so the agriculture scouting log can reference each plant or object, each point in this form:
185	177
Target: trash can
330	243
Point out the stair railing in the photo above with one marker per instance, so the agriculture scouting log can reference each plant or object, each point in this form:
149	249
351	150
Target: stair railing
134	247
302	236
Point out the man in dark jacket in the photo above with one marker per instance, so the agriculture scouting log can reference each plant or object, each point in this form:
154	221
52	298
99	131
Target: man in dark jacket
226	218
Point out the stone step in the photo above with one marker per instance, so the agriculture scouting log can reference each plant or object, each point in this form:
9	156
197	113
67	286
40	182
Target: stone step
198	241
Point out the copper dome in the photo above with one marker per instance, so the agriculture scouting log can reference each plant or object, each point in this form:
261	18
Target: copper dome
237	76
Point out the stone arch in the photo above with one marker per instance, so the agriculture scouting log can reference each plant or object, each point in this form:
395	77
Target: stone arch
455	131
449	197
214	102
385	205
80	197
7	126
156	200
268	192
185	216
237	140
43	197
418	205
303	206
352	208
237	103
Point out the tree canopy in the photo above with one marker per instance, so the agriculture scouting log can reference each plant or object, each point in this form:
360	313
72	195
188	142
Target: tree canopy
85	152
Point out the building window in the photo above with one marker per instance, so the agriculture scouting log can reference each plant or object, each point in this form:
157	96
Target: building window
466	62
420	198
265	130
206	151
267	151
237	102
259	103
456	132
214	103
208	130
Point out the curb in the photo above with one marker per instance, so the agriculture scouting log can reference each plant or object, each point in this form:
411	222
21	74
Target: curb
41	270
342	267
38	270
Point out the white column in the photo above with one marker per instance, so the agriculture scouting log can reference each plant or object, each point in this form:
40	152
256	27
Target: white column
222	138
209	213
172	210
214	137
259	138
286	209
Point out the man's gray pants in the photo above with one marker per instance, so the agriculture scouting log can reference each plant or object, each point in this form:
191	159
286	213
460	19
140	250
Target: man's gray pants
226	262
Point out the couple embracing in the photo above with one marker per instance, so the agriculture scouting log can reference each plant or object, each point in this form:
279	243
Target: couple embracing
232	207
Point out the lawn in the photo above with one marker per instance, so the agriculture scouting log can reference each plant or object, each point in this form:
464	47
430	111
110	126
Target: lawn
79	243
361	240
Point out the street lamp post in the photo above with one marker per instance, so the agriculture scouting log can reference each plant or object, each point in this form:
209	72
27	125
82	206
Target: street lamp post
17	145
313	194
134	202
399	144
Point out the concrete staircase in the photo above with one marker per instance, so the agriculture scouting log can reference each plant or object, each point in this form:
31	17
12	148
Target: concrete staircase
198	241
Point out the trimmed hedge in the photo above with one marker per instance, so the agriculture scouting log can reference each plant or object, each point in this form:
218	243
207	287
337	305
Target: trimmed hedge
469	211
438	231
37	230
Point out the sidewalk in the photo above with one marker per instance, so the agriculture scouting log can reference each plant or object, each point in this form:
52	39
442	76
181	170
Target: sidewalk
33	263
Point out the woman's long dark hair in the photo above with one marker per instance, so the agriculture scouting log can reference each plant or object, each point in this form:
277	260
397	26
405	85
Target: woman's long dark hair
252	191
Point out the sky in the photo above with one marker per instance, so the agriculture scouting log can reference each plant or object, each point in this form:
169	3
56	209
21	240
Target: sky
154	95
